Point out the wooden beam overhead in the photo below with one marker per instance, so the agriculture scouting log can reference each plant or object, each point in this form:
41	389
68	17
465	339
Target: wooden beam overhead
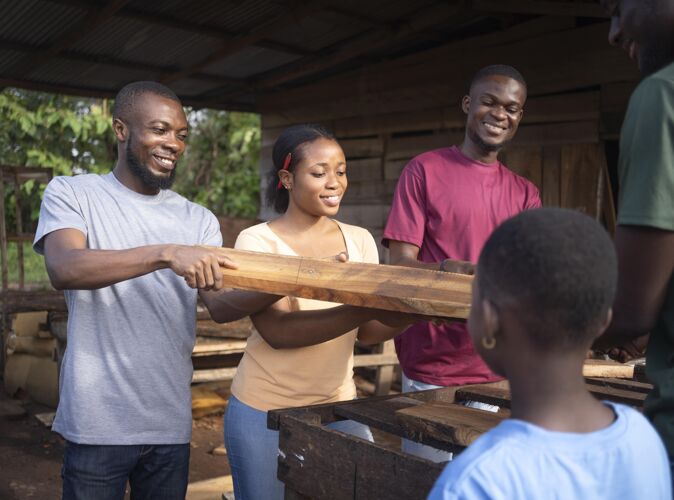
159	19
83	91
541	8
359	45
113	61
302	10
94	17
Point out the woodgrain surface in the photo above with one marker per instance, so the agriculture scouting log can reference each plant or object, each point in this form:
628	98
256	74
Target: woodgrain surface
393	288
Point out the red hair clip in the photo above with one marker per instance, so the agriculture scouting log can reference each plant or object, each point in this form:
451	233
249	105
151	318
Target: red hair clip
286	164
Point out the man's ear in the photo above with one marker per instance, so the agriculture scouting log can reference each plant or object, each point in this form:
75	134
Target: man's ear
465	104
120	129
492	321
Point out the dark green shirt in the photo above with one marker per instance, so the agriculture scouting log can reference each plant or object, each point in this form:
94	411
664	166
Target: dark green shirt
646	170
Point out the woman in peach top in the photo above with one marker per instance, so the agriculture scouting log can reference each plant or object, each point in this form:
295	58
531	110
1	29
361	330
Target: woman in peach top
300	351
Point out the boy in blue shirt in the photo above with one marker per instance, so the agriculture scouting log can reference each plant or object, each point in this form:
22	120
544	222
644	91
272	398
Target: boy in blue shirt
545	284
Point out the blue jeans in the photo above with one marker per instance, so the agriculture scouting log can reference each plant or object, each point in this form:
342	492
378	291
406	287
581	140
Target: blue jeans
252	450
100	472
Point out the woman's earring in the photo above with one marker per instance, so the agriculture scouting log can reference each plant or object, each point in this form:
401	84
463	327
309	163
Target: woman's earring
488	343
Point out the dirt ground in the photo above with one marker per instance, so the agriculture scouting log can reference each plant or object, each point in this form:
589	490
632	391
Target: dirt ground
30	454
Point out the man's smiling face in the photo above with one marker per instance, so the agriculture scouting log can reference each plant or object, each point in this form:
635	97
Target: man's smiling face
494	108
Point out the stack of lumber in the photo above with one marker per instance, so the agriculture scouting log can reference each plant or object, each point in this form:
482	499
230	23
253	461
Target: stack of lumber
30	366
319	463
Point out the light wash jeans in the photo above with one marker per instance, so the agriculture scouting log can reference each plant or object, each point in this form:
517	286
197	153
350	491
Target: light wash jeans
252	450
422	450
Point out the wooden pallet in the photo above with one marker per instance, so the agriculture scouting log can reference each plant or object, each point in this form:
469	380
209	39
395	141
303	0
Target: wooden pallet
316	462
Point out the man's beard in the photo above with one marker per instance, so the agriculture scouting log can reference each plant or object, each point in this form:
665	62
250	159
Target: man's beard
656	56
144	174
487	148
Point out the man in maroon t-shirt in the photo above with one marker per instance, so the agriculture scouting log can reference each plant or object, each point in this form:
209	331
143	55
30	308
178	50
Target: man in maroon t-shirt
446	204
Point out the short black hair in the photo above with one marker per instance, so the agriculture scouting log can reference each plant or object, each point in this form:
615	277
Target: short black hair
500	70
557	269
291	141
126	97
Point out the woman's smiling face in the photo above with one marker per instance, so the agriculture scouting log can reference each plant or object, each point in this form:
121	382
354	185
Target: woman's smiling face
318	182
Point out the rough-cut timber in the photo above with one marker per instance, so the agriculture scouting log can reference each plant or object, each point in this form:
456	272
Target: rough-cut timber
393	288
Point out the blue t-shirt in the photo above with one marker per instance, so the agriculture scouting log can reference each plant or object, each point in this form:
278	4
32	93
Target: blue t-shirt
518	460
125	377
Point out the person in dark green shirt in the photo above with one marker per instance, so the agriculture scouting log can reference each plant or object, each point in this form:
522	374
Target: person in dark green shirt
644	237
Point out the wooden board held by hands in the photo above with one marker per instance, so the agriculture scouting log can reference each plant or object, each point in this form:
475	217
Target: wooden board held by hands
393	288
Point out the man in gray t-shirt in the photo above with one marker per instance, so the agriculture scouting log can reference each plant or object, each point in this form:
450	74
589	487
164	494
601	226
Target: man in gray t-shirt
123	247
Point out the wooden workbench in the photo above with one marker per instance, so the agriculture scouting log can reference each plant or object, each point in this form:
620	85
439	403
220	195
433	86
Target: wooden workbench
316	462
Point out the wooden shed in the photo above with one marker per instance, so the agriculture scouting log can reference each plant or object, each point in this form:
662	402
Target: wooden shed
386	76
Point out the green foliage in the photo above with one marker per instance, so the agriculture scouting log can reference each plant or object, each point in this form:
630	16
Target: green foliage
68	134
220	167
34	269
74	135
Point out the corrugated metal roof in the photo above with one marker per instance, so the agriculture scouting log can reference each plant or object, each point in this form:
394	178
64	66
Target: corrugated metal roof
36	22
196	45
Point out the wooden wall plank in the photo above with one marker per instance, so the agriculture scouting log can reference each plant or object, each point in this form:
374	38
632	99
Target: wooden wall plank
551	191
581	56
525	161
580	169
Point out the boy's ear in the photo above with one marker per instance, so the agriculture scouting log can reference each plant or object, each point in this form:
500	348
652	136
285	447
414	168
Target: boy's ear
492	321
606	322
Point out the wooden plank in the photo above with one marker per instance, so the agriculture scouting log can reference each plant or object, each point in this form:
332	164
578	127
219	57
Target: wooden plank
366	192
627	397
363	147
446	422
541	8
14	301
408	147
551	190
393	168
386	372
580	170
363	170
489	395
558	133
527	162
348	467
501	397
602	368
394	288
215	375
379	414
212	348
628	385
382	359
327	411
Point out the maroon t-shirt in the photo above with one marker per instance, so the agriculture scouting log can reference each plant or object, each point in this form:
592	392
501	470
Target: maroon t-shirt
448	205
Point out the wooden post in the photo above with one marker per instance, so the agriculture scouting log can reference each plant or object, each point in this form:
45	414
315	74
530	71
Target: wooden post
385	374
19	231
3	234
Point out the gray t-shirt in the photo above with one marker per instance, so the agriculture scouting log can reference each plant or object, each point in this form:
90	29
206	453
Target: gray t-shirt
126	373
